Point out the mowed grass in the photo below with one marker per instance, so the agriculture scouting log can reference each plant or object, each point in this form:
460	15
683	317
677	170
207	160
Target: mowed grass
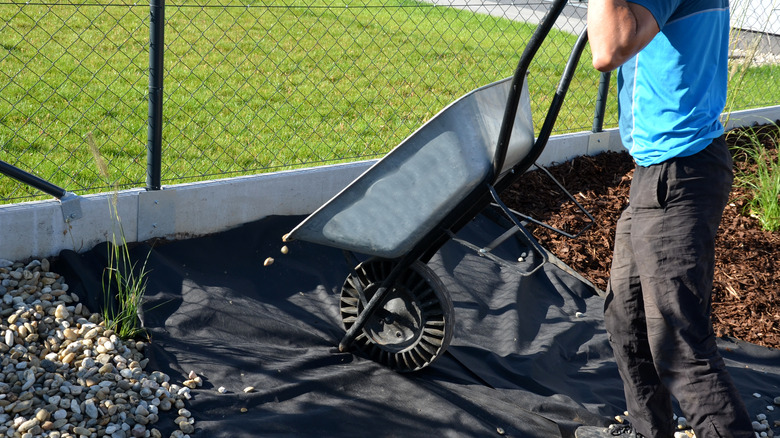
253	88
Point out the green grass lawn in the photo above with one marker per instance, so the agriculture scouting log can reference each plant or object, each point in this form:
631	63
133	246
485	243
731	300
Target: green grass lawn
252	88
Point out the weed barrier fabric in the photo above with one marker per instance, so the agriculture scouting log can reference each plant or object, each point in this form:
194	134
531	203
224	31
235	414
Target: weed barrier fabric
529	355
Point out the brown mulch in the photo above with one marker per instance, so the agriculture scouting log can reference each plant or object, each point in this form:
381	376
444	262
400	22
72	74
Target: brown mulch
746	289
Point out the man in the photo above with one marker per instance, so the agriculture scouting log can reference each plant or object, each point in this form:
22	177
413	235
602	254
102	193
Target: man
671	57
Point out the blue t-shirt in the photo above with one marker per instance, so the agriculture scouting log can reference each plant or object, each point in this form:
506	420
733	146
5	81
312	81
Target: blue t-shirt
671	94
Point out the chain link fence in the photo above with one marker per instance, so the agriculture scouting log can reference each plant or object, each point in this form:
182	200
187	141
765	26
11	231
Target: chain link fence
257	87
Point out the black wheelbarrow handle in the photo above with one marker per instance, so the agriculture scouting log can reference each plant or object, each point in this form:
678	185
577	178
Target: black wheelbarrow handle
549	122
538	37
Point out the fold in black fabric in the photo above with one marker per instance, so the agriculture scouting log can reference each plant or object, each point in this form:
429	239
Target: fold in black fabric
529	356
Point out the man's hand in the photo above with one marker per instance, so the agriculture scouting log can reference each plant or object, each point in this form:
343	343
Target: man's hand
618	30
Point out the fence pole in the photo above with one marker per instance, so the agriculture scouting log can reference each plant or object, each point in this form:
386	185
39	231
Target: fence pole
156	51
601	102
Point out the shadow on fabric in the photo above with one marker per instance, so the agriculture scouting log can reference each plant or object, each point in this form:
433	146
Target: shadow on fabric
529	356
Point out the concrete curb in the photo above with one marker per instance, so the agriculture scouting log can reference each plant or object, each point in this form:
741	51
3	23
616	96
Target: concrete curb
39	229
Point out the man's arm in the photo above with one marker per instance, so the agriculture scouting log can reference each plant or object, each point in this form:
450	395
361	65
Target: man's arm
618	30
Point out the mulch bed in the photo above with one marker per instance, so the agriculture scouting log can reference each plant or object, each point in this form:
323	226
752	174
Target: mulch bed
746	295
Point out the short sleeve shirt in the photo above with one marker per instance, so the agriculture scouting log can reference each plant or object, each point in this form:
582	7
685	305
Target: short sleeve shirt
671	94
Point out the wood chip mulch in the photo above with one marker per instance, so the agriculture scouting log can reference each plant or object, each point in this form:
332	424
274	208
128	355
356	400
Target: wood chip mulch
746	289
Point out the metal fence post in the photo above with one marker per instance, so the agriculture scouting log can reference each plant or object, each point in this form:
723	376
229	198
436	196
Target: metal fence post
156	51
601	102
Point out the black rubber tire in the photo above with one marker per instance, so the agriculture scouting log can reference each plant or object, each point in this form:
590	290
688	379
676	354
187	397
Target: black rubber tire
412	327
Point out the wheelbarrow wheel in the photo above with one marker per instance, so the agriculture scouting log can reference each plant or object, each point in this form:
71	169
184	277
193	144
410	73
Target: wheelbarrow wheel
411	327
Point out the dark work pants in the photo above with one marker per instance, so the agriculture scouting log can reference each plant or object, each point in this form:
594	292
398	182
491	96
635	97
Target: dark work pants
658	305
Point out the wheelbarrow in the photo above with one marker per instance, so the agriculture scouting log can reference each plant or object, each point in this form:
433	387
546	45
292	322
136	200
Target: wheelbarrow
405	207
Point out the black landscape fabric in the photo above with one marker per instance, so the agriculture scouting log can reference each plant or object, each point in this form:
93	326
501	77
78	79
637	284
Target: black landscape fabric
529	356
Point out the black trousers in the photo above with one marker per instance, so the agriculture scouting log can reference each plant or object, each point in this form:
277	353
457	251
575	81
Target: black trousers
658	305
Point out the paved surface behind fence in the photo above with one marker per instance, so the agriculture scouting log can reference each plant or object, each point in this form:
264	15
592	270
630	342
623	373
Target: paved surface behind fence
572	19
764	46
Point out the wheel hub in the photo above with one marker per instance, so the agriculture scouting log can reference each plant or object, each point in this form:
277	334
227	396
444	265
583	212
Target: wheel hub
413	324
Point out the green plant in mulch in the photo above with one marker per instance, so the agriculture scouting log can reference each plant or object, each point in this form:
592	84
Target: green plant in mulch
756	147
123	281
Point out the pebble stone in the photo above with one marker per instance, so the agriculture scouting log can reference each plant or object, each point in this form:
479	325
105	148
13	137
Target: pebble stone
64	375
762	425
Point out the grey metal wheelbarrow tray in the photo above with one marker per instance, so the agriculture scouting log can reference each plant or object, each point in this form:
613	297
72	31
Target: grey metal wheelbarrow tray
401	211
400	199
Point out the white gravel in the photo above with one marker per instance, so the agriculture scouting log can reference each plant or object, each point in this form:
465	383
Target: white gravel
64	375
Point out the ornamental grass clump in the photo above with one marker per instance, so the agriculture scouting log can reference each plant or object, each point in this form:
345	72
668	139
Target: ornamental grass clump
123	282
124	287
758	147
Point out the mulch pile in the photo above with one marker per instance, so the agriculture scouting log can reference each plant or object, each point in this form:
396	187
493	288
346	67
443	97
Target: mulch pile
746	295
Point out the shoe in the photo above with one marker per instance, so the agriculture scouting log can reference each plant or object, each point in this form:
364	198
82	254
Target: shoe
614	430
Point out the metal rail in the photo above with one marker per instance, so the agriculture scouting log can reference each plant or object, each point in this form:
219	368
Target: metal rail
32	180
71	207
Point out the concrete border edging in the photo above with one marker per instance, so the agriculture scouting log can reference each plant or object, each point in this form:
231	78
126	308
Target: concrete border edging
37	229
